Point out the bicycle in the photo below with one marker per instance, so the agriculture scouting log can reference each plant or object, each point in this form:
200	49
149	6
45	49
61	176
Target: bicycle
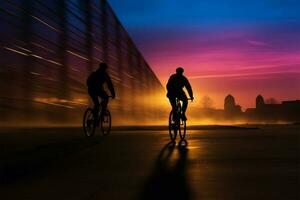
176	124
90	123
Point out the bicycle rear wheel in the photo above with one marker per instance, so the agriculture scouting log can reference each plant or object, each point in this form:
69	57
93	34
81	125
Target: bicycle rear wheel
173	127
89	122
182	129
106	122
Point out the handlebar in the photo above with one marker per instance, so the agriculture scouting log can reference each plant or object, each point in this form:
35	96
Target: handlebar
112	97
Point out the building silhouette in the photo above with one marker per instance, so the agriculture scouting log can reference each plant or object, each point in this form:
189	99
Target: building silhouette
284	112
260	102
230	107
287	111
48	49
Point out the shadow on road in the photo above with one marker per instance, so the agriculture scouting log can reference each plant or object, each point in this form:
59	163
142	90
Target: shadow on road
37	159
168	180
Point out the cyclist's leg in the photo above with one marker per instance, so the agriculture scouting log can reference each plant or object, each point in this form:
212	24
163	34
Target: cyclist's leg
184	100
172	99
104	98
93	94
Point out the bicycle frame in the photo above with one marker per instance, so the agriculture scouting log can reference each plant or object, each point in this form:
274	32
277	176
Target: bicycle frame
90	121
179	106
177	124
100	109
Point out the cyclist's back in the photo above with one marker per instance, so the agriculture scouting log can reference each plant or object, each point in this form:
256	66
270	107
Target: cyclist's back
95	87
176	84
97	79
175	87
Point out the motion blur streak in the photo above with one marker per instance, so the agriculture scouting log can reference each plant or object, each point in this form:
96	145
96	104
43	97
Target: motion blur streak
47	51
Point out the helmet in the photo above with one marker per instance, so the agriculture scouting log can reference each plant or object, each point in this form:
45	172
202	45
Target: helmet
179	70
102	67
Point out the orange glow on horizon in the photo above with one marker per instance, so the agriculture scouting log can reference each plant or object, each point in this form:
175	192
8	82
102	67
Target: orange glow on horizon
241	61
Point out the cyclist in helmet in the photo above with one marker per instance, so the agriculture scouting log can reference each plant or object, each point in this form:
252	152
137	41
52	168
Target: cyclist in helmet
95	84
175	90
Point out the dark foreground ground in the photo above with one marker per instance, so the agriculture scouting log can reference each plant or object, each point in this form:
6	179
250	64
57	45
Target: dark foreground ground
217	163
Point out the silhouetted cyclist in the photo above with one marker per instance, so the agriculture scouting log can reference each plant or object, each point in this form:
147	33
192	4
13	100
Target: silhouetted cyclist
175	90
95	84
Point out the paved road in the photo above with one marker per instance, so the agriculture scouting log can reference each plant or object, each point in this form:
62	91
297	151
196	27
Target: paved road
215	164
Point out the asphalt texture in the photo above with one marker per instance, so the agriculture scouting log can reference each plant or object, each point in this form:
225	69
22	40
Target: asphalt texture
213	163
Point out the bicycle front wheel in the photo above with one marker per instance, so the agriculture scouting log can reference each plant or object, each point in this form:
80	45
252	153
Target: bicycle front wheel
173	127
89	122
106	122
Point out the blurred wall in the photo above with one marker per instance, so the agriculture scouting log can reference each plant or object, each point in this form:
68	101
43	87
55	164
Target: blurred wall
48	49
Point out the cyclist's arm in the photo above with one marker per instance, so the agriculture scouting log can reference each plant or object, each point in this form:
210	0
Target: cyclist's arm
189	88
170	84
111	86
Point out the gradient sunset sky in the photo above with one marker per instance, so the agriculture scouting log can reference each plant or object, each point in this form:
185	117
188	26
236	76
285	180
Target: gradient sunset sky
243	48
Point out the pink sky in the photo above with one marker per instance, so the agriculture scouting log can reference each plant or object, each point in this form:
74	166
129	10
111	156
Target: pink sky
242	61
